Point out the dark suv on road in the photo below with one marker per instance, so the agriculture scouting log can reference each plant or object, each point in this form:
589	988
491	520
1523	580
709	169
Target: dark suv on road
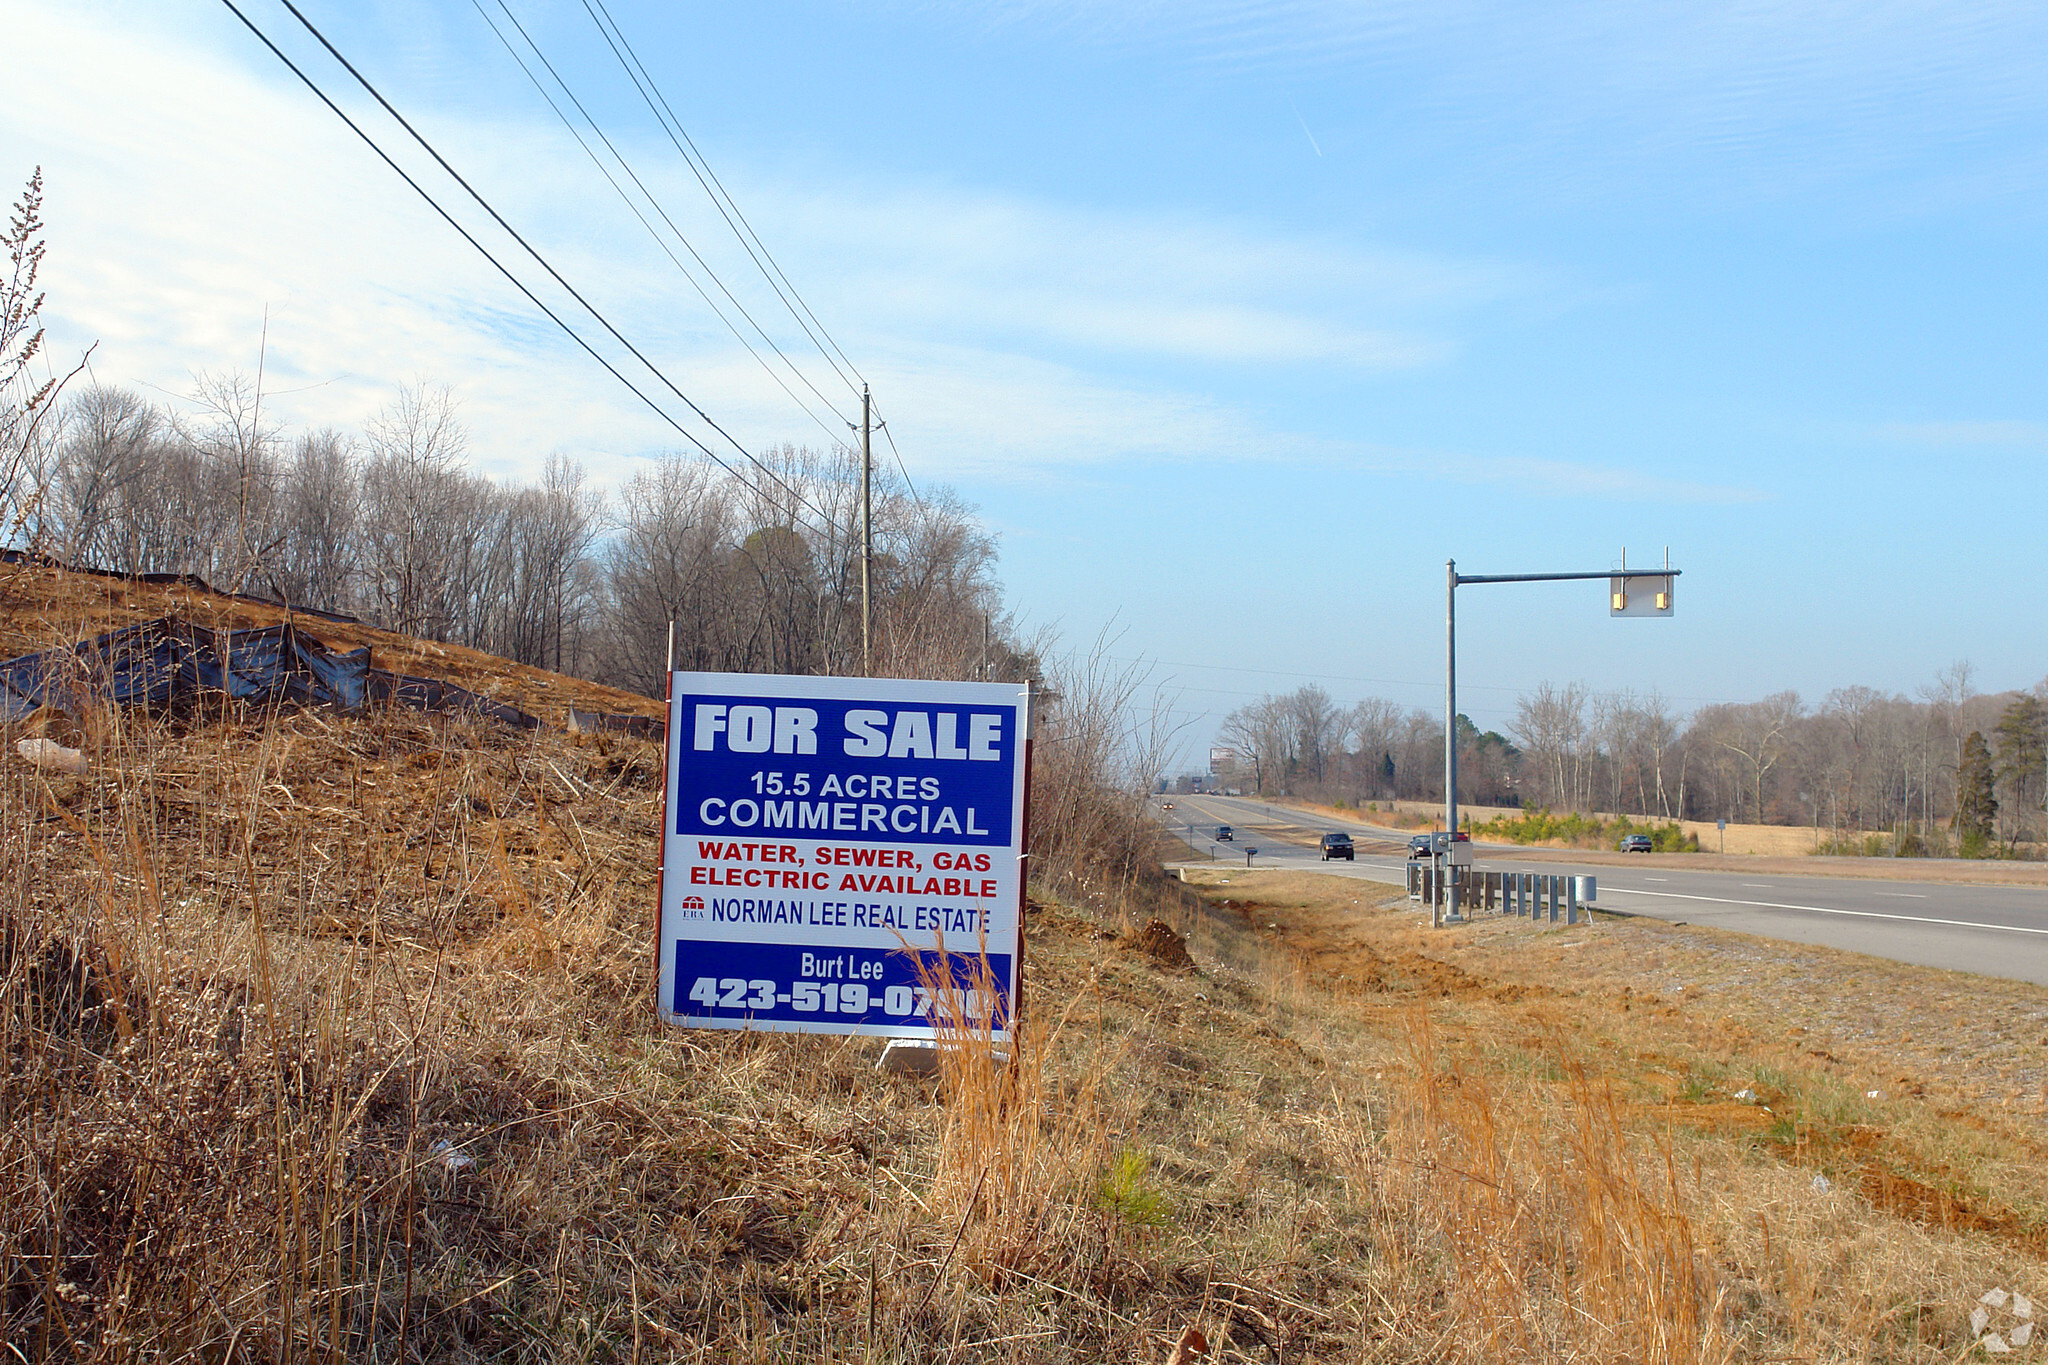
1424	845
1225	834
1338	846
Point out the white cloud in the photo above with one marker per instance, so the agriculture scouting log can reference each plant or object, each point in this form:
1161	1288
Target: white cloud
1771	97
2000	434
1563	479
192	188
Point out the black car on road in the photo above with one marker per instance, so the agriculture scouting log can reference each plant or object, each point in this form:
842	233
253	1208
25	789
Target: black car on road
1225	834
1338	846
1638	843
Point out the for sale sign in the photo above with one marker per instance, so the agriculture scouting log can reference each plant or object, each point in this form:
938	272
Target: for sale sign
836	848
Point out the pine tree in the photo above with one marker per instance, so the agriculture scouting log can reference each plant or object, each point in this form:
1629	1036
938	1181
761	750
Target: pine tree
1976	797
2023	751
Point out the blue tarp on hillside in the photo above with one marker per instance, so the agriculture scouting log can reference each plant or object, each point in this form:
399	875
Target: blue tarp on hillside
167	661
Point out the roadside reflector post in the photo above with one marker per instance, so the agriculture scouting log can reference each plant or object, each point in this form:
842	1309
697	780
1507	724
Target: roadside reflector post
1571	900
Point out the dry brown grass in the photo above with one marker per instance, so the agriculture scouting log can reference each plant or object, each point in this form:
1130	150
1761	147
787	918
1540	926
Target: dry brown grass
1563	1129
332	1037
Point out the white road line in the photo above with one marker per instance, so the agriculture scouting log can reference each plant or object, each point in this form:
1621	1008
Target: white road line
1830	910
1902	895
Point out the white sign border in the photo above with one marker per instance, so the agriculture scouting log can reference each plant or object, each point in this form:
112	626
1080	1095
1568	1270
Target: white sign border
1018	700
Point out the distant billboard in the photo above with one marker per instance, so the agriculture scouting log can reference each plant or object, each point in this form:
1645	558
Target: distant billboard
1222	758
834	846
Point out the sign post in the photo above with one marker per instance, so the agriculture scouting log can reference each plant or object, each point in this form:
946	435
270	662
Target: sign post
834	849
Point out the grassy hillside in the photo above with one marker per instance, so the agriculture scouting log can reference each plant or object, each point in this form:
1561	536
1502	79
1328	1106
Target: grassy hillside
332	1038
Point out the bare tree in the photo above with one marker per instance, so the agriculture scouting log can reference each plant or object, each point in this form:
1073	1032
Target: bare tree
1318	731
1551	724
546	539
236	448
1262	734
1757	733
1375	724
412	484
106	451
319	518
1660	736
672	524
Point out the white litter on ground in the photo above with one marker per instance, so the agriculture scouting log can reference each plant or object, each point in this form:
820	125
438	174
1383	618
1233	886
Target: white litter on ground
49	754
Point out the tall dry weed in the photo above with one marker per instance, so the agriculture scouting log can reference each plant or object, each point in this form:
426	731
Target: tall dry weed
1011	1153
1558	1233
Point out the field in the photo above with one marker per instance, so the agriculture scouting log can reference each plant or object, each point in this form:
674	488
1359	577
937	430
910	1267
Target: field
1760	840
1787	850
331	1038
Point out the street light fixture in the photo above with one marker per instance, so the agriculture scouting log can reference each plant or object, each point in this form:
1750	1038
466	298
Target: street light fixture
1642	592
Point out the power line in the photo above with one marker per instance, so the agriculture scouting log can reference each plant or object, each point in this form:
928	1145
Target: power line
903	468
1378	682
750	240
528	247
482	250
605	171
720	198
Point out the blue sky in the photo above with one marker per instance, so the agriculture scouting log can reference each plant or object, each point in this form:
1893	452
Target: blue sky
1235	320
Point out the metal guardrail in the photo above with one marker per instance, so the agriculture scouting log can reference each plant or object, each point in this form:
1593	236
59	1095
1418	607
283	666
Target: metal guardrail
1537	896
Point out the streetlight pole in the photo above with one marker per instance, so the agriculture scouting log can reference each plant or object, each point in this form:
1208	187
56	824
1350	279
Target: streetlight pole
1654	600
1441	899
1451	695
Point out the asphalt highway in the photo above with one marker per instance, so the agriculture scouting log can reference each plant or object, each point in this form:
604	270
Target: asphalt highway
1990	930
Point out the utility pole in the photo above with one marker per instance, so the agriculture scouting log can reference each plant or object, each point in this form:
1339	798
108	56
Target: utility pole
867	536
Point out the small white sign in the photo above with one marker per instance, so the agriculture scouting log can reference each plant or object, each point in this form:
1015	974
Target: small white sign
1641	594
832	848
